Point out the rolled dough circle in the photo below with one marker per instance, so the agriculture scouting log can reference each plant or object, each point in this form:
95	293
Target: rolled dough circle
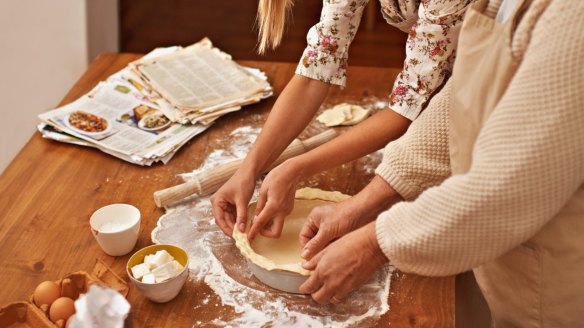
284	253
343	114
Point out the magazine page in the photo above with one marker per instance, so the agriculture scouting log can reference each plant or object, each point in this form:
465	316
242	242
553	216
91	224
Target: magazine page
197	77
114	119
162	137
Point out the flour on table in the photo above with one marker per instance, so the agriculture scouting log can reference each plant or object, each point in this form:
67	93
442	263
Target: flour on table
214	259
242	139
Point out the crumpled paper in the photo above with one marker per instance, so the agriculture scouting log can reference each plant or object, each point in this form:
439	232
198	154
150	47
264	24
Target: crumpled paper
100	307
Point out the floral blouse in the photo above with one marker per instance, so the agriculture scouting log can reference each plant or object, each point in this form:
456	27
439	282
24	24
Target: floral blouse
432	26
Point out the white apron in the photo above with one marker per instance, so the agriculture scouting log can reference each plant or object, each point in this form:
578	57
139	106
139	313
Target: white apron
538	283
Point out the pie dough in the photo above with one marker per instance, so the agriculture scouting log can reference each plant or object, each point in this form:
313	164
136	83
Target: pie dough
284	253
343	114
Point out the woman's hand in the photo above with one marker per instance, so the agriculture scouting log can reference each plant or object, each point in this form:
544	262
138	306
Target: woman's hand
276	200
284	123
327	223
229	203
344	266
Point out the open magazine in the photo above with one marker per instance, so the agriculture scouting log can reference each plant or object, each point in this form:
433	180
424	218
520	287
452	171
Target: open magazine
147	111
196	84
113	119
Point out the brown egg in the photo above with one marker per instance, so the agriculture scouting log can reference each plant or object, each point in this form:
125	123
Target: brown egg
61	309
46	293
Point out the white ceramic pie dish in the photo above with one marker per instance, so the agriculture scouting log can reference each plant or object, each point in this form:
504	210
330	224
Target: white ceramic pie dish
277	262
281	280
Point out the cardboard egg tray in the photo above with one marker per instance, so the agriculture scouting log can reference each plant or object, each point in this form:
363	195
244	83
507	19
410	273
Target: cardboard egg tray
27	314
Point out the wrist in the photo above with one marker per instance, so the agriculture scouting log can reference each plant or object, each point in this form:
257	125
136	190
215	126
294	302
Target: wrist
373	244
355	211
375	198
249	168
298	167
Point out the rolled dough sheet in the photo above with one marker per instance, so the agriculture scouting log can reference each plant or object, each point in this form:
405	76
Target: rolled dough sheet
343	114
284	253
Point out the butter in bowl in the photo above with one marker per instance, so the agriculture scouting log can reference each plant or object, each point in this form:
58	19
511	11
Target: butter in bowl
159	271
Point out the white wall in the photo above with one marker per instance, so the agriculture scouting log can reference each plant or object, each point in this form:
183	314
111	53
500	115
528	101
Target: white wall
44	51
45	46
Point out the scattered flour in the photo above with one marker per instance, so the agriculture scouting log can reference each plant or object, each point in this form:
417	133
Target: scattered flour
380	104
242	139
214	259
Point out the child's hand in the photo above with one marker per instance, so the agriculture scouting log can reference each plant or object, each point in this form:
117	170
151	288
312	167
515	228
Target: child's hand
229	203
276	200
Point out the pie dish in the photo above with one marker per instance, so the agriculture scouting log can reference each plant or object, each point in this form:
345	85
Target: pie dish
277	262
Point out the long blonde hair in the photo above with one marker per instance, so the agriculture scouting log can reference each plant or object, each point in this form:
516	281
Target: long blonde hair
271	19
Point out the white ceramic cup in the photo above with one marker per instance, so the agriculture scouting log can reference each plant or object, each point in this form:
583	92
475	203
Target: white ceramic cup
116	228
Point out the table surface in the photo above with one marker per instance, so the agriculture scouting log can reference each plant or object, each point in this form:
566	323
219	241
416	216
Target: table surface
50	189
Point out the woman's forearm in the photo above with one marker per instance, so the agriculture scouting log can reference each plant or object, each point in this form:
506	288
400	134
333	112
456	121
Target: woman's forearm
375	198
292	112
365	138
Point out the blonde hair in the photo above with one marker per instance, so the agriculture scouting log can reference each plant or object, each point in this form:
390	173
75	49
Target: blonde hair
271	19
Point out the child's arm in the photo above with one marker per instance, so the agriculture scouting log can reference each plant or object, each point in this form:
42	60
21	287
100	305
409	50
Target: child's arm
277	192
292	111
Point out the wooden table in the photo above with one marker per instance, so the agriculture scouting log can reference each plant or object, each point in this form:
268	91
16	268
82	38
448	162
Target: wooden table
50	189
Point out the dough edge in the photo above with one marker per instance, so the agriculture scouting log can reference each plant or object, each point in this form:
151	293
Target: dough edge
245	248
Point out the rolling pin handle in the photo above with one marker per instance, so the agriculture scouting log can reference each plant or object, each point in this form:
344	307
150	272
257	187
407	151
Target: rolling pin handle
319	139
176	193
214	179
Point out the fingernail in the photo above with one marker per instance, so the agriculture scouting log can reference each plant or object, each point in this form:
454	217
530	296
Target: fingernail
305	265
304	253
241	227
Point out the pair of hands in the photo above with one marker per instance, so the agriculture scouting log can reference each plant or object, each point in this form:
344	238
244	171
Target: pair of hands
276	200
344	265
353	255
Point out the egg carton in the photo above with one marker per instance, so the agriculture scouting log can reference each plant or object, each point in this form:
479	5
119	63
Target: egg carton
24	314
28	314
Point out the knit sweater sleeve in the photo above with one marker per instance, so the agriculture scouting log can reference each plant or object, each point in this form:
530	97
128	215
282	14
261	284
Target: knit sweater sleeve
419	159
528	161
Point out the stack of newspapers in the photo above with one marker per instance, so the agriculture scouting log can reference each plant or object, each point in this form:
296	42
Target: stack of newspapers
147	111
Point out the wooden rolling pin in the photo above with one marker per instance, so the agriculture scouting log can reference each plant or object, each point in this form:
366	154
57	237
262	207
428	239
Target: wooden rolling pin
207	183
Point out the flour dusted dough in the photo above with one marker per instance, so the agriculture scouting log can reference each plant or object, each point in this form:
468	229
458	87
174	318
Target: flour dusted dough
343	114
284	253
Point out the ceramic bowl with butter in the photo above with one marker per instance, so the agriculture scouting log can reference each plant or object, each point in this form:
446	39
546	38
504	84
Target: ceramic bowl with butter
159	271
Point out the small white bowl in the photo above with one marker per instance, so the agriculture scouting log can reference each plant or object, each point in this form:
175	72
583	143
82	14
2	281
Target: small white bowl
167	290
116	228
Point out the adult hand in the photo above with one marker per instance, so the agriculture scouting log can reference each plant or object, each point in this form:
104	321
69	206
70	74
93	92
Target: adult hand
344	266
327	223
276	200
229	203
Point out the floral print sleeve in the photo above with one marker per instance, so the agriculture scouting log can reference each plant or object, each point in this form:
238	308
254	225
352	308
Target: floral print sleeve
433	27
325	57
430	53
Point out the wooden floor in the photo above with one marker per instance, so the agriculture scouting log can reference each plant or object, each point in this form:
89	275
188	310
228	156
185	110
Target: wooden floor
146	24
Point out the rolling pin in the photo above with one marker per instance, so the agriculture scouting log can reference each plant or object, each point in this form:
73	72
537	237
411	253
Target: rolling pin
207	183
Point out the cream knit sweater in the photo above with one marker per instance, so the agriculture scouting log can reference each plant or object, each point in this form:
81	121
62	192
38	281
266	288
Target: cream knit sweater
528	159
